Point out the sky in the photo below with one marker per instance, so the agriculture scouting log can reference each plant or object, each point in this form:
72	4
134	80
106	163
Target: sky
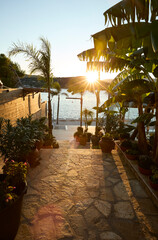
67	24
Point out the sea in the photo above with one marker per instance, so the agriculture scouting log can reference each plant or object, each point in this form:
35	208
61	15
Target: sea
70	108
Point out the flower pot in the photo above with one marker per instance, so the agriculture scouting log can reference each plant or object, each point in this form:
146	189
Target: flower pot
95	140
144	171
153	185
39	144
83	140
33	157
10	218
106	145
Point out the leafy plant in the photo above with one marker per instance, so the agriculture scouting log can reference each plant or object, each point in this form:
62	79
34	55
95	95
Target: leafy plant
145	161
12	182
154	176
132	152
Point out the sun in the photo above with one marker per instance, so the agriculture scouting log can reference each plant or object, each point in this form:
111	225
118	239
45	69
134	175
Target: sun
92	77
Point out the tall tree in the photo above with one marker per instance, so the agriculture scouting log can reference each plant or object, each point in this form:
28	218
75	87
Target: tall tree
40	61
9	72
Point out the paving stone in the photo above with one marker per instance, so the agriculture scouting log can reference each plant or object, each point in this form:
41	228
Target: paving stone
103	225
92	184
30	206
120	192
124	210
106	194
138	189
78	224
147	207
109	236
80	194
72	173
50	224
129	229
24	230
83	204
92	216
104	207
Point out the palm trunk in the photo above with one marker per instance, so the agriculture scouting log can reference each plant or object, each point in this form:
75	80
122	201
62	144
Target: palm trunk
81	109
50	126
58	109
156	130
97	98
141	132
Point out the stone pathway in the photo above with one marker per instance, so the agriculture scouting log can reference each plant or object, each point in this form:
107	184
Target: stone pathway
82	194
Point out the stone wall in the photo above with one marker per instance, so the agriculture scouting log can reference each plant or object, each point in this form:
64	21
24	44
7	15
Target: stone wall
13	104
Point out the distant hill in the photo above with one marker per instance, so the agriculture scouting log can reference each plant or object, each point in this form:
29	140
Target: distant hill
37	81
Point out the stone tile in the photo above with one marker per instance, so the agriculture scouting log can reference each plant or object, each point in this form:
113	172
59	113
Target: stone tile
49	223
147	207
78	225
83	204
92	184
31	203
92	216
106	194
24	230
72	173
129	229
104	207
124	210
138	189
120	191
109	236
103	225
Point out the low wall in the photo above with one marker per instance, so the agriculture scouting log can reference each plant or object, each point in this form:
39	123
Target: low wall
13	105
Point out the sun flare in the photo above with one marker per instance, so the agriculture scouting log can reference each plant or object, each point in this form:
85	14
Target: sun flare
92	77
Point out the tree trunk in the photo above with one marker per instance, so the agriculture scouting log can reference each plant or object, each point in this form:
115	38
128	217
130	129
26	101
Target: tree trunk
97	99
156	130
141	133
81	109
50	126
134	134
58	109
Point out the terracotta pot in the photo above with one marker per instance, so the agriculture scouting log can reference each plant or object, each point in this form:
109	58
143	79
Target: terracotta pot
10	218
83	140
106	145
95	140
39	144
153	185
33	157
144	171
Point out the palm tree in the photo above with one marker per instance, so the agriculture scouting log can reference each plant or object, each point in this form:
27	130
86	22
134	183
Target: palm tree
88	117
40	61
130	36
57	87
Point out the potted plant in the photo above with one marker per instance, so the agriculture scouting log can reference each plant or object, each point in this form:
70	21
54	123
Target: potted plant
107	143
16	141
132	154
95	141
78	133
126	144
12	189
153	179
144	164
124	136
88	136
83	139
